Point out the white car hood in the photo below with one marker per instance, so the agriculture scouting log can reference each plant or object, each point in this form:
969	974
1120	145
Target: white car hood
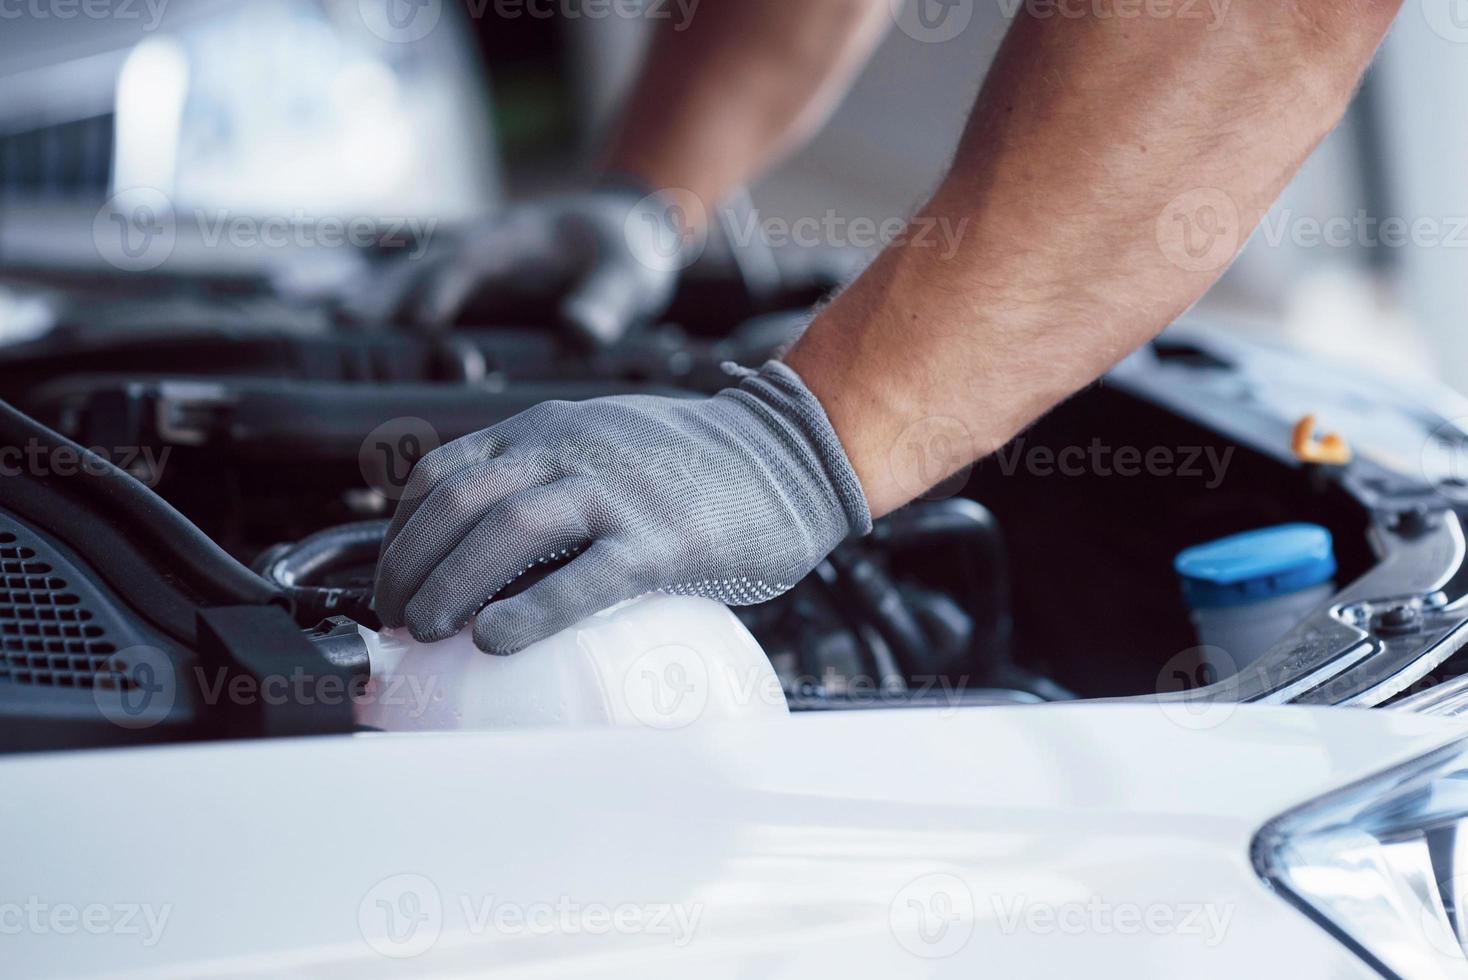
985	842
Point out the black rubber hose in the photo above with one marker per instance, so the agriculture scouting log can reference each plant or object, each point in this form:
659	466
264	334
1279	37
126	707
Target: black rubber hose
876	599
971	525
297	570
153	556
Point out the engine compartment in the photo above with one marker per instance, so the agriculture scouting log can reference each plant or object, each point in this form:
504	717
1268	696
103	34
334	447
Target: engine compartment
1043	573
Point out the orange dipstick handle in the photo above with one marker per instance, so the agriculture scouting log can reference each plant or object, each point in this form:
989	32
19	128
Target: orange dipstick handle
1329	449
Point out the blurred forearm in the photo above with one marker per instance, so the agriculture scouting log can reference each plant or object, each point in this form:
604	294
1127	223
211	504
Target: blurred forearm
1110	170
721	97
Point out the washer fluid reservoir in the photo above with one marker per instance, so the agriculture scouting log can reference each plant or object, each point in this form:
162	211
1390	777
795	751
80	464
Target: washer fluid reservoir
663	662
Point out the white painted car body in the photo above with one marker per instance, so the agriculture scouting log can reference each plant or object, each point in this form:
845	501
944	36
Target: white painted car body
1055	841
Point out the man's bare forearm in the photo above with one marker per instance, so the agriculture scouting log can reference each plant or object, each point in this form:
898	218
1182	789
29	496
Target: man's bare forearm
1093	146
720	98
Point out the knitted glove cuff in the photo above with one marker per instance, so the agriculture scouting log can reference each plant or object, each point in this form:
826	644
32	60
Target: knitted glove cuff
777	386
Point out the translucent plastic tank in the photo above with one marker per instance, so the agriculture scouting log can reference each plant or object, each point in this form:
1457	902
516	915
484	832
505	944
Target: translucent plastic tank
663	662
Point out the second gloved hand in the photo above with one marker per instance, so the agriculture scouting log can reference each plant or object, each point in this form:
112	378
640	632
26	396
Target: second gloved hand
596	261
735	497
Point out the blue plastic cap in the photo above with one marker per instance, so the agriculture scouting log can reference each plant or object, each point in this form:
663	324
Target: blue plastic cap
1256	565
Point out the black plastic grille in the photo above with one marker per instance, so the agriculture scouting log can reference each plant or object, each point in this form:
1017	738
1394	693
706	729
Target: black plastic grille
46	635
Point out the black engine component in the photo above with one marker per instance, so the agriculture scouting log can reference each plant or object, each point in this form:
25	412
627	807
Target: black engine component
329	573
260	435
121	623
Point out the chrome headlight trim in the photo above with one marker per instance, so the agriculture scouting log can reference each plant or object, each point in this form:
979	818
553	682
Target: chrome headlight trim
1392	804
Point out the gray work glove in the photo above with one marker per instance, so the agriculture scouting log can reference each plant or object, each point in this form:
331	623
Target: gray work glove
597	261
735	497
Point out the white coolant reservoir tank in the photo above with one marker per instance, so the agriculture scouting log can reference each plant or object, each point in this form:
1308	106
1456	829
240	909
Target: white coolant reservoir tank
661	661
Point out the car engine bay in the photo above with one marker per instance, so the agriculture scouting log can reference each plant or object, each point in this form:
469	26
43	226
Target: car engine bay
281	433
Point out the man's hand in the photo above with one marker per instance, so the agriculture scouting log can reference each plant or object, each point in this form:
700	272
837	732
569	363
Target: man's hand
735	497
1089	136
598	262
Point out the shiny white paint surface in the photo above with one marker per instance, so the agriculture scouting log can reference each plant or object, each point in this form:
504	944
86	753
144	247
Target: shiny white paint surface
804	848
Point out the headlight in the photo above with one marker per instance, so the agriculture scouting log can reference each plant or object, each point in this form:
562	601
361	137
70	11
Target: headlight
1384	865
